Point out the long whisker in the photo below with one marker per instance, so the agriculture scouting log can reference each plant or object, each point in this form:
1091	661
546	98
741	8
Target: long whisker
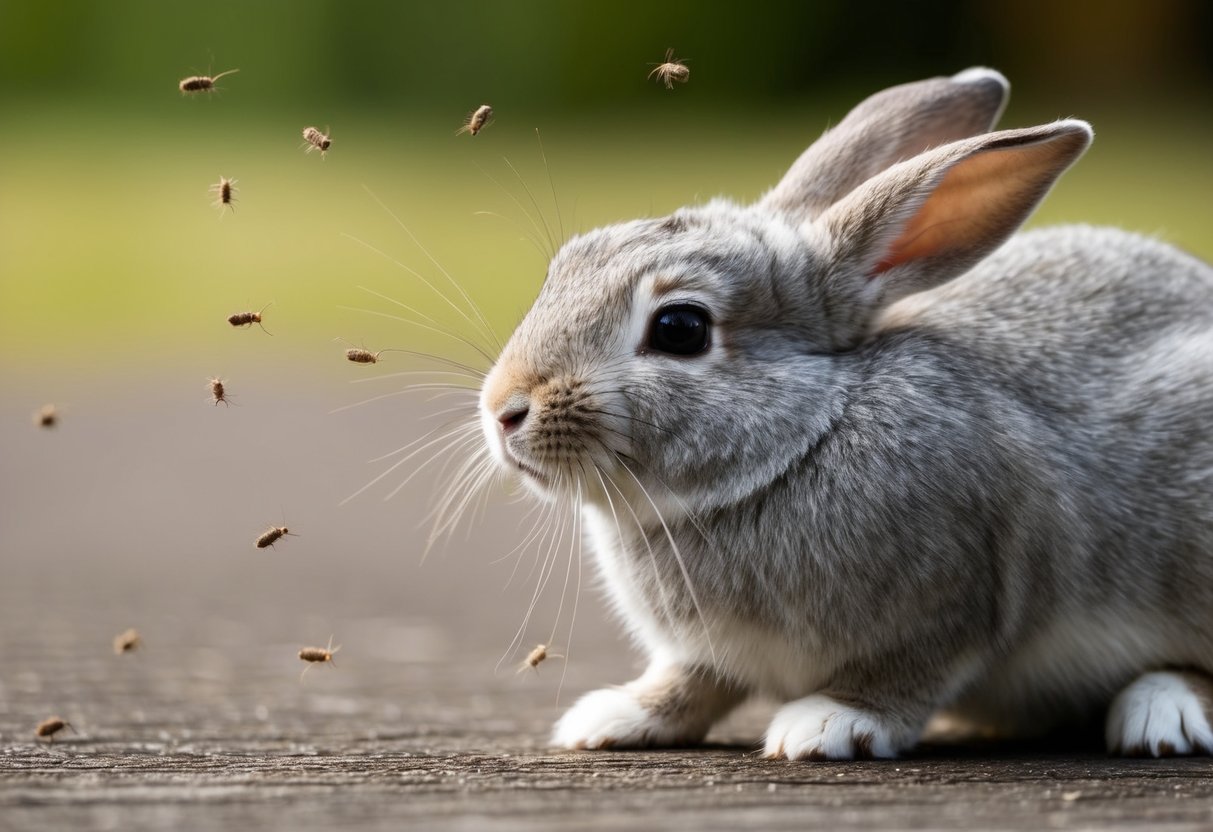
463	408
568	572
415	274
547	229
544	574
471	371
412	388
462	428
396	465
530	237
552	185
696	522
666	606
686	577
554	512
543	527
577	538
639	421
551	250
493	339
458	443
477	470
419	324
415	373
416	311
539	512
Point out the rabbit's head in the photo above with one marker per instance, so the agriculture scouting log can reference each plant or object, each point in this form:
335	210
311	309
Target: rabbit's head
685	360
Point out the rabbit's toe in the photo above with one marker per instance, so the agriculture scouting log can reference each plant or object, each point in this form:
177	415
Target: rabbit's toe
820	728
613	718
1163	714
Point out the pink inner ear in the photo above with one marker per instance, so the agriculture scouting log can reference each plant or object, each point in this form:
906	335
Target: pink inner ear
973	198
890	260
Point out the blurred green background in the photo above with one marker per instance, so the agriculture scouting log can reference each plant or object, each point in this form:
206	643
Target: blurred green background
112	256
117	274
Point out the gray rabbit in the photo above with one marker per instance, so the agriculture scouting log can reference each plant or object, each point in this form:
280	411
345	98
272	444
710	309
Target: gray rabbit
857	448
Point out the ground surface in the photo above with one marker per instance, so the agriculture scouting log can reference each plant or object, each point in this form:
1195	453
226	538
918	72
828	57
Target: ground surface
117	520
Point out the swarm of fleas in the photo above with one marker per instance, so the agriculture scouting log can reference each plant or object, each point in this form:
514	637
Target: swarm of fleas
47	416
225	193
51	726
536	657
249	318
477	121
316	140
201	83
272	536
361	356
218	392
127	642
318	655
671	70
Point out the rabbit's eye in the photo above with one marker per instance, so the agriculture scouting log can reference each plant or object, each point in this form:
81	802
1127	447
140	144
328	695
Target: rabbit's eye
679	330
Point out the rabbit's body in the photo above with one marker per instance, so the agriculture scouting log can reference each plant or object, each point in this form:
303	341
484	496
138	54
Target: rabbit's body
898	477
1113	367
1071	547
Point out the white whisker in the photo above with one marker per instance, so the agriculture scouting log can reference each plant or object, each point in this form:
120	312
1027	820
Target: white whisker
551	184
666	606
574	553
551	250
397	464
527	235
415	373
476	472
547	229
412	388
457	443
545	573
466	427
686	577
421	325
487	329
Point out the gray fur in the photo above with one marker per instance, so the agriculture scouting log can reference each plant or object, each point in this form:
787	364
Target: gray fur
983	485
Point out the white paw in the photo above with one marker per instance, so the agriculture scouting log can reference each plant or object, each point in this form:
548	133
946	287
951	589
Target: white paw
1160	715
612	718
820	728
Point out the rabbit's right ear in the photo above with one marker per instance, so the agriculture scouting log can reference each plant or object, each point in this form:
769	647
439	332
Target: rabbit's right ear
929	219
895	124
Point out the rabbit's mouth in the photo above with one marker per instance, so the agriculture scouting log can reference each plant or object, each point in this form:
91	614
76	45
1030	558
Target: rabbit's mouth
526	469
534	473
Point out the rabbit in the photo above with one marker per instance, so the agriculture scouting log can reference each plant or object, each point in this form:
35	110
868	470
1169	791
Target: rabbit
856	448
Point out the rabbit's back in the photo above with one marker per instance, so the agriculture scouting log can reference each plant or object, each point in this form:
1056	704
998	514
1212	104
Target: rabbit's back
1096	331
1050	302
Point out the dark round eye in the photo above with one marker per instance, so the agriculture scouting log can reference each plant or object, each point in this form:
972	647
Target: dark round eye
679	330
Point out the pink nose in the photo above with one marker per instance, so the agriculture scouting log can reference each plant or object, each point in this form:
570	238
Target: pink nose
511	418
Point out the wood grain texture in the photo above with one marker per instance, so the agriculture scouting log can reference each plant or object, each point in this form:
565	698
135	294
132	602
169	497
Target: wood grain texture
114	522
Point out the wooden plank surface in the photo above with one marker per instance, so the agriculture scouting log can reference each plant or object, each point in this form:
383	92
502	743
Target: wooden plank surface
118	521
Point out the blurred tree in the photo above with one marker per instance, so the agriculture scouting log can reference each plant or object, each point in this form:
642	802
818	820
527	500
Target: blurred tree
589	55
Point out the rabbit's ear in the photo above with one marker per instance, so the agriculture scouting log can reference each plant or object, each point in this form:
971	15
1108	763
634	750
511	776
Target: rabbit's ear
895	124
927	220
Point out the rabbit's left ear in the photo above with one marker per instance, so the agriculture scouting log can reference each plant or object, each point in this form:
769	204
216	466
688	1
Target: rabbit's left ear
929	219
894	124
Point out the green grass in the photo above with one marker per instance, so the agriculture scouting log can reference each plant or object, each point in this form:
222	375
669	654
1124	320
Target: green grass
110	249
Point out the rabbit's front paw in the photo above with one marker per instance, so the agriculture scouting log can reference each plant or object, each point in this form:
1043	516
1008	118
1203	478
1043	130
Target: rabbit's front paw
1162	715
820	728
613	718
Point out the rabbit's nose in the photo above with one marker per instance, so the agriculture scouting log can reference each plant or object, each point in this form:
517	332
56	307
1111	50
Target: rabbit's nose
512	416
